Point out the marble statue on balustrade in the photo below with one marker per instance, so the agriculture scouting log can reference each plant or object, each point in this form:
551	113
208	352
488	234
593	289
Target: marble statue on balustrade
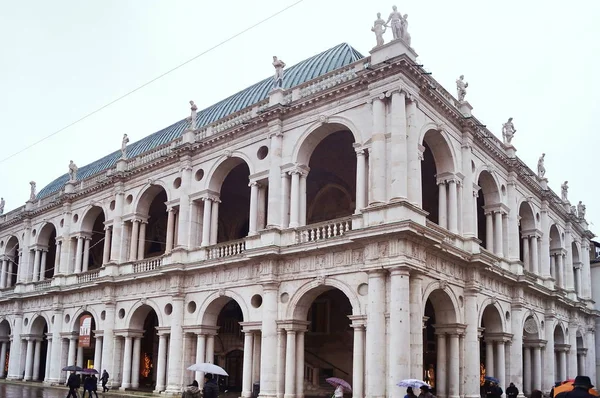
564	191
278	65
192	118
461	87
581	210
32	193
2	203
396	25
124	143
73	171
404	27
379	29
508	131
540	166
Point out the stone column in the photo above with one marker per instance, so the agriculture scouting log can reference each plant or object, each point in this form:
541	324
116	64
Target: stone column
553	268
98	353
454	368
545	248
537	368
533	245
452	207
548	363
109	338
442	366
253	208
295	199
275	187
415	154
578	279
29	359
3	359
36	359
57	269
399	332
175	373
569	272
43	264
572	356
468	216
201	354
135	365
285	200
489	231
302	213
268	358
472	338
14	366
281	350
184	220
489	357
516	348
561	270
36	265
527	366
563	365
206	221
214	222
127	358
416	327
247	371
375	350
48	364
3	274
585	269
378	153
256	356
135	234
170	229
55	363
290	364
210	348
526	255
500	365
141	249
398	152
358	359
361	180
442	204
79	361
498	249
106	248
79	255
581	370
300	364
162	362
86	254
72	355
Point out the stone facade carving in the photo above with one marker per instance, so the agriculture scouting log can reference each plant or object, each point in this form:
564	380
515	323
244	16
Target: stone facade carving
461	88
379	29
531	326
581	210
193	115
508	131
278	79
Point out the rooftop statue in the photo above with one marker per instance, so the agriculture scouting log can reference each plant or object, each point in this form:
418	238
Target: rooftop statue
73	171
379	29
540	166
278	65
192	117
124	143
581	210
32	192
404	29
2	203
564	191
508	131
461	87
396	19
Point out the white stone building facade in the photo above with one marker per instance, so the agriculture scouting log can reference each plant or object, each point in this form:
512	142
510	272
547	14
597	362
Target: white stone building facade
359	224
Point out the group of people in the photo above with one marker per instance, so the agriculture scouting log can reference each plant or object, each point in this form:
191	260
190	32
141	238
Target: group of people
90	384
582	386
210	389
425	393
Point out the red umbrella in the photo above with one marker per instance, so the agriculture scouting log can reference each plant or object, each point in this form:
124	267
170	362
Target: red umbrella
334	381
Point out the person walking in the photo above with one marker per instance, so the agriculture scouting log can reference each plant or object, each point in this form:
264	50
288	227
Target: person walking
74	382
512	391
211	389
104	380
581	389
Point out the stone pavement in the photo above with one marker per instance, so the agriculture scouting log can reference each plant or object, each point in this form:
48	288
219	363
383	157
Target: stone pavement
38	390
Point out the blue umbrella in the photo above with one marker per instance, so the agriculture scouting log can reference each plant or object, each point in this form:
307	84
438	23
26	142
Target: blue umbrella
492	379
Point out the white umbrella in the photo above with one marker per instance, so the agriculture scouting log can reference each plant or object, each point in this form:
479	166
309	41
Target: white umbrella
414	383
208	368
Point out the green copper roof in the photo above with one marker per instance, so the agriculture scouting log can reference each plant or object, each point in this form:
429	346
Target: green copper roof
311	68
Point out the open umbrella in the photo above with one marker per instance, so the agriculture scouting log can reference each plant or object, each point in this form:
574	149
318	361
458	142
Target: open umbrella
208	368
90	371
335	381
413	383
568	386
72	368
492	379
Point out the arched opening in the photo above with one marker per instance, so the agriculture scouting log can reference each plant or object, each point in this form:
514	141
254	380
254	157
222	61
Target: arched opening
560	354
47	244
5	333
331	182
490	344
39	330
234	210
151	239
12	255
144	322
84	326
532	375
527	232
489	213
93	225
576	268
556	257
439	314
230	352
581	354
328	342
437	181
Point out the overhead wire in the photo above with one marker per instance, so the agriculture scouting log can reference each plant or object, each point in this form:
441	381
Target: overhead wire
152	80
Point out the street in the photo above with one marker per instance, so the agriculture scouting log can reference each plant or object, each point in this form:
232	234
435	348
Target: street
39	391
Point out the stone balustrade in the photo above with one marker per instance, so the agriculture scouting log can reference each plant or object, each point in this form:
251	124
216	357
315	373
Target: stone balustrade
88	276
226	249
326	230
149	157
327	81
148	264
42	285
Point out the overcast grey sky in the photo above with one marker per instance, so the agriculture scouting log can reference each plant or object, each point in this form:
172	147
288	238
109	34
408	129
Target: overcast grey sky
537	61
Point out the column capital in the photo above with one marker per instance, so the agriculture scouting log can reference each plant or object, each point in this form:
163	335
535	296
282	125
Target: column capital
400	270
561	347
293	325
162	331
358	321
498	337
251	327
254	183
205	330
452	329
